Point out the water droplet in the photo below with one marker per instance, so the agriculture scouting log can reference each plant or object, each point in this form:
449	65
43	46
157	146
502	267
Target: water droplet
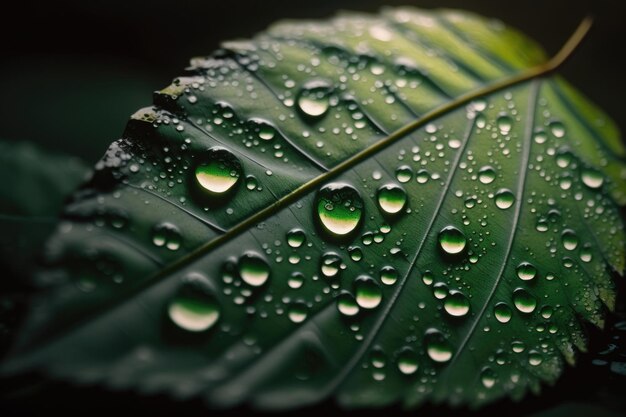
194	307
456	304
526	271
297	312
486	175
517	346
356	254
422	176
339	208
440	290
569	239
251	182
502	312
564	158
427	277
524	301
313	99
488	378
378	358
504	199
534	358
330	264
388	275
452	240
437	346
546	312
346	304
557	129
407	361
220	172
264	129
296	280
404	173
253	269
368	292
391	198
592	178
168	235
295	238
505	123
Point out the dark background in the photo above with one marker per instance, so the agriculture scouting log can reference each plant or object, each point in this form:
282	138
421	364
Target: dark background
72	72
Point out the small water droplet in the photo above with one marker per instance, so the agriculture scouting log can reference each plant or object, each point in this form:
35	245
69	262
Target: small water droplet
569	239
564	158
456	304
557	128
524	301
502	312
297	312
296	280
194	307
504	199
330	264
313	99
368	292
437	346
422	176
526	271
347	305
253	269
452	240
534	358
356	254
264	129
391	198
486	175
407	361
504	123
168	235
488	378
404	174
388	275
220	172
339	208
295	238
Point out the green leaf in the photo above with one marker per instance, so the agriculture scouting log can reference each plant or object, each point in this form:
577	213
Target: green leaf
377	209
34	187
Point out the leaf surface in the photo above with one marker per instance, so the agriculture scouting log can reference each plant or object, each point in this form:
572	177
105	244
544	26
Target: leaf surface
278	229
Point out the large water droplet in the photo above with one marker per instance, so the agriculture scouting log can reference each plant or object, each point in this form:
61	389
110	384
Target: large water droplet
391	198
168	235
502	312
220	172
504	199
339	208
253	269
407	361
451	240
437	346
368	292
524	301
194	307
313	99
592	178
526	271
456	304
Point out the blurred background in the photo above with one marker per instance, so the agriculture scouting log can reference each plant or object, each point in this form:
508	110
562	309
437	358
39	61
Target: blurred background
73	71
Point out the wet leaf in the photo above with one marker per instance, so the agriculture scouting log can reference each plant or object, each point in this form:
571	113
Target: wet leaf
377	209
